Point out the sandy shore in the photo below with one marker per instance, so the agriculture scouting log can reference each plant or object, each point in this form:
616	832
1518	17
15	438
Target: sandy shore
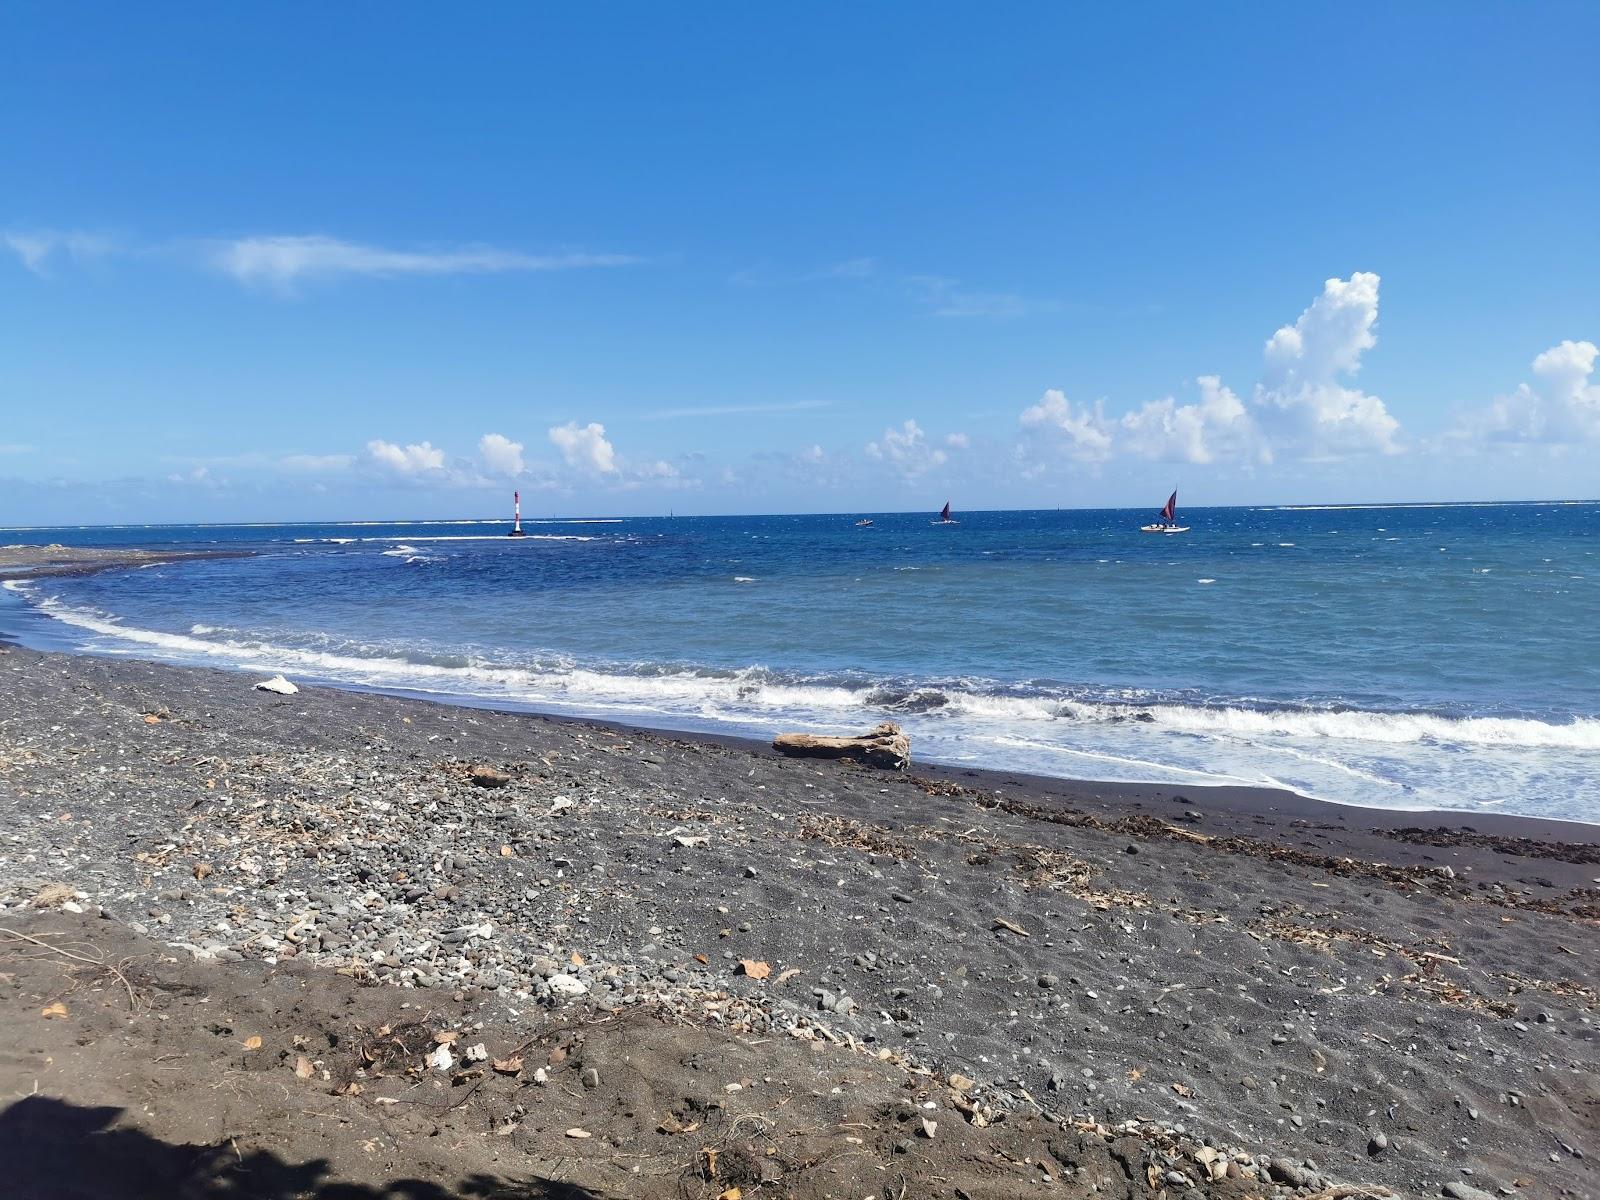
1098	989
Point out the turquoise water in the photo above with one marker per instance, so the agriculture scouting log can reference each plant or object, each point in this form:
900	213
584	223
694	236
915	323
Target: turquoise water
1403	657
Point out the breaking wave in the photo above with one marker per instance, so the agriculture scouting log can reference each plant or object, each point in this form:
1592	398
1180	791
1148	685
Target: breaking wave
751	693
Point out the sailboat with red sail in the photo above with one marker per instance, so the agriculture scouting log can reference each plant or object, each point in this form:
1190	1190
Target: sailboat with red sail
1169	518
944	516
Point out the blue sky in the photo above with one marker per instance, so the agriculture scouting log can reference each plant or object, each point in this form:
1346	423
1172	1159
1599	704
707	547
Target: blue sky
384	261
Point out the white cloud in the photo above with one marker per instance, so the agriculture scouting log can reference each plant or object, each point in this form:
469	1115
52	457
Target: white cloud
585	447
283	261
1084	433
1197	433
1300	407
1300	403
500	454
907	450
957	441
37	248
415	459
1560	407
812	456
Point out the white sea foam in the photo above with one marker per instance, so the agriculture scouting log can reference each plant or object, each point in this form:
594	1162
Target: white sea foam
1357	726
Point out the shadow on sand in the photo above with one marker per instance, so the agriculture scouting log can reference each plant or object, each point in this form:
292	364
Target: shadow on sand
52	1150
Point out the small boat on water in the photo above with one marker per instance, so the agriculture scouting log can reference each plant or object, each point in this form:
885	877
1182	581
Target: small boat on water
944	516
1169	519
863	523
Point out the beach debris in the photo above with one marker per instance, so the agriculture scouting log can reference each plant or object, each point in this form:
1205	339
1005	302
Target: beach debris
253	1042
476	1054
787	974
52	894
488	777
201	870
959	1082
303	1068
441	1059
691	841
929	1128
508	1066
579	1133
754	968
51	1011
277	684
1012	926
886	747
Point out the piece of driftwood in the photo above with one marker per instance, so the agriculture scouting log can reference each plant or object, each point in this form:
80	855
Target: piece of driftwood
884	747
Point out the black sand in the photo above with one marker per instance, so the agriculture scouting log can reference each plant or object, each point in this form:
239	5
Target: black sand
1282	979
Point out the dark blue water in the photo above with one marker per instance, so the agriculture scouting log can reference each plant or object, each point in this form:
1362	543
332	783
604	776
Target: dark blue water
1408	657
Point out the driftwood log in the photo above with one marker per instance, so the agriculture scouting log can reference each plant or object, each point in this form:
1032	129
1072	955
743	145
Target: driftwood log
884	747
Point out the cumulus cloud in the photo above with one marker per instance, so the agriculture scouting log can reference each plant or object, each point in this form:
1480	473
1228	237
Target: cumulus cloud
1560	407
1300	402
283	261
418	458
907	450
957	441
585	447
1301	407
37	248
812	456
1168	431
1083	433
500	454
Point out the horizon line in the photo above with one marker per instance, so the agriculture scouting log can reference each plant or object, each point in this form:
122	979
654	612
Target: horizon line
847	512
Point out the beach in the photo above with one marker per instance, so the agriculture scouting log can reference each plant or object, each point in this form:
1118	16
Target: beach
1081	988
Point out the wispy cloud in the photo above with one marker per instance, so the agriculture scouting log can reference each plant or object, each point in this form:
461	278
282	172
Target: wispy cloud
734	410
38	248
283	261
948	298
316	462
850	268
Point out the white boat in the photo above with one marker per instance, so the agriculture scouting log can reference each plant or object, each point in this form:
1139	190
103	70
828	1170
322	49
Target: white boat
1169	519
944	517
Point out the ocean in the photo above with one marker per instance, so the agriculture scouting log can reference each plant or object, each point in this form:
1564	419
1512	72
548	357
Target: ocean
1399	657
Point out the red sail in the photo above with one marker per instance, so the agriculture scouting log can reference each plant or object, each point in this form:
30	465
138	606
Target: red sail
1171	510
